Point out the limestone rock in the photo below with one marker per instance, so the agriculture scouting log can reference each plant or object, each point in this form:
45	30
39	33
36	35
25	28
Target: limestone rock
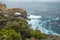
11	12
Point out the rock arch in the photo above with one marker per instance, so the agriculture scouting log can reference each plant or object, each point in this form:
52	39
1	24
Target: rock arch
11	12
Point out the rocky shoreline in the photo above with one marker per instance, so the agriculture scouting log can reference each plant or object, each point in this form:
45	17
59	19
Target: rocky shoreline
10	13
52	37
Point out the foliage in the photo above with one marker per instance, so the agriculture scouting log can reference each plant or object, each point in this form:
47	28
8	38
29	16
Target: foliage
9	34
3	22
37	34
13	28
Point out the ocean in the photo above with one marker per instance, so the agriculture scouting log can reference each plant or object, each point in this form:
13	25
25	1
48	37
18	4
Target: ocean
45	16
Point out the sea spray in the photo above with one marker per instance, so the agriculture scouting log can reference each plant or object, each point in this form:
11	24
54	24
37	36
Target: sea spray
36	21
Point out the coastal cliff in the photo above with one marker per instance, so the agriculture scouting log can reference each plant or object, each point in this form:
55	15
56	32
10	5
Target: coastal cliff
19	27
11	12
14	28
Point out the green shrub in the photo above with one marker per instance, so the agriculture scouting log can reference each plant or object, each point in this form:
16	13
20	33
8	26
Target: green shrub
14	28
9	34
37	34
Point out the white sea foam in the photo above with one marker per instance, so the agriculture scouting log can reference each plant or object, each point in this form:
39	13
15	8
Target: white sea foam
35	23
33	16
57	18
17	13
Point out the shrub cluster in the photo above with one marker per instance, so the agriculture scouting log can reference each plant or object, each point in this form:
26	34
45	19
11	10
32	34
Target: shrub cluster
14	28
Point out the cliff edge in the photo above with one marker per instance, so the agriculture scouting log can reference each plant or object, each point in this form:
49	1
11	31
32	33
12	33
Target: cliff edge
11	12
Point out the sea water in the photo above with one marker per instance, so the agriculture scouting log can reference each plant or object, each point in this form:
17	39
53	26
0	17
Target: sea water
44	15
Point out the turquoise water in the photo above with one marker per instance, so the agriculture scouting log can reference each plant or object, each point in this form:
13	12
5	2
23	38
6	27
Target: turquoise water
47	24
44	15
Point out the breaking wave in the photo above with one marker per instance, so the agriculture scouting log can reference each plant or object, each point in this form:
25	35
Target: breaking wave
46	24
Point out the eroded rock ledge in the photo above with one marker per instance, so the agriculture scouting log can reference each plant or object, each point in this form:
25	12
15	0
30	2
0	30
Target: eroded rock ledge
10	12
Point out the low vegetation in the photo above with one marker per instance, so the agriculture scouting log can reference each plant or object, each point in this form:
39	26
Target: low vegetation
14	28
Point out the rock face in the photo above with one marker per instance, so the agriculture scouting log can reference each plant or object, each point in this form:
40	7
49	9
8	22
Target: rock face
3	7
52	37
11	12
